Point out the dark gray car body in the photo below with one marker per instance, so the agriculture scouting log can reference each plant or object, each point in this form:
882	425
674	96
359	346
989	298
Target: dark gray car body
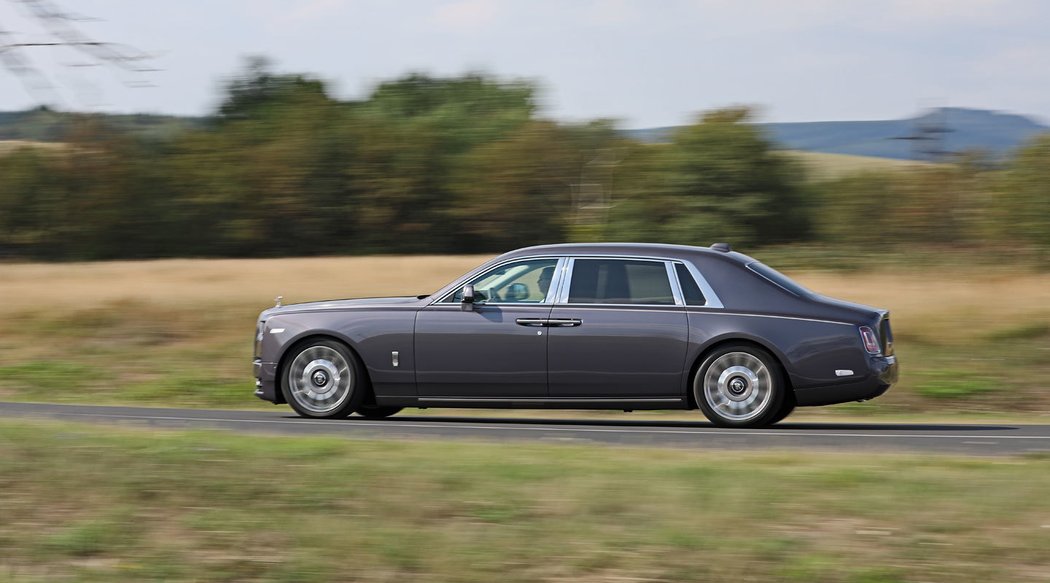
429	352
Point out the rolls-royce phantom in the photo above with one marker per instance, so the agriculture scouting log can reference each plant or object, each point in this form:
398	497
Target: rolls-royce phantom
588	326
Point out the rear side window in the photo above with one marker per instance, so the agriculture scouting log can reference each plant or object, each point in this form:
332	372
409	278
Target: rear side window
690	289
619	281
779	278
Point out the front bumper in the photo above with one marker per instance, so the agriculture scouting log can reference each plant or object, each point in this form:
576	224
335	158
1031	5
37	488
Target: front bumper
265	376
882	373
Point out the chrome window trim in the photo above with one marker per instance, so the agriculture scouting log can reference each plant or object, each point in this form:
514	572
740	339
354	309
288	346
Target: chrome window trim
563	275
711	299
676	287
547	300
563	293
564	284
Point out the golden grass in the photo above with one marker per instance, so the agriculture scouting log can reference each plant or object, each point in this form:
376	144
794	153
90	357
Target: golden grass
8	146
948	306
183	282
820	166
971	342
940	302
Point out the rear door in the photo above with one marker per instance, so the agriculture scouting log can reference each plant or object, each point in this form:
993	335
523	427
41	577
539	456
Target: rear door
618	329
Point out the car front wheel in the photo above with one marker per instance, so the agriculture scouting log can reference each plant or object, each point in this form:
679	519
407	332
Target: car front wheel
323	379
739	386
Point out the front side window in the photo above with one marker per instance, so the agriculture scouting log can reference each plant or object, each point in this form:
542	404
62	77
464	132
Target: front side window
620	281
521	282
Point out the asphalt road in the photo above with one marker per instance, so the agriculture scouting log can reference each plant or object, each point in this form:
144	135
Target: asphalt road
970	439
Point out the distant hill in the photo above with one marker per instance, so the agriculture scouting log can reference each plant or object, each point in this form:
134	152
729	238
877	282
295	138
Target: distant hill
967	129
46	125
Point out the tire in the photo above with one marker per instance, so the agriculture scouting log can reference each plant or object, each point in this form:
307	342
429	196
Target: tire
740	385
785	409
323	380
377	412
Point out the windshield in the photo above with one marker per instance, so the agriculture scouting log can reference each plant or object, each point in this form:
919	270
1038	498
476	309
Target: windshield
779	278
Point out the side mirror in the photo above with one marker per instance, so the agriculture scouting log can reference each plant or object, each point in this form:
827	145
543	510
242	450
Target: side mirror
467	303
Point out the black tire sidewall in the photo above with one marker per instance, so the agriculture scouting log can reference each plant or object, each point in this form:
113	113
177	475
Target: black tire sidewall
773	409
358	387
377	412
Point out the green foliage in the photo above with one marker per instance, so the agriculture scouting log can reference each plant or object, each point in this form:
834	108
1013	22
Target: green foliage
465	164
952	384
1025	193
720	179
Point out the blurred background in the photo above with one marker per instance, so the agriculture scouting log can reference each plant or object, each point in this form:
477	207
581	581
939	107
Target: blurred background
885	171
168	168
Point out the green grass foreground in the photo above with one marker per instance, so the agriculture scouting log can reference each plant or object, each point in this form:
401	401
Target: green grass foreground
91	503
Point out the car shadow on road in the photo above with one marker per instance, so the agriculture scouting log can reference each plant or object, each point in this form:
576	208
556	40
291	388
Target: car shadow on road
784	426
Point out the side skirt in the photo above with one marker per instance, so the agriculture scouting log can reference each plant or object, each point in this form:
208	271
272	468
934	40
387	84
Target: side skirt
537	403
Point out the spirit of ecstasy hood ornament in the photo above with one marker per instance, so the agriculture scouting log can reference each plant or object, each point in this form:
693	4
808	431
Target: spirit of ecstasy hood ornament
277	301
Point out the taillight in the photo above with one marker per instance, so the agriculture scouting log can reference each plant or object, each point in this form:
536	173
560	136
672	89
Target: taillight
871	343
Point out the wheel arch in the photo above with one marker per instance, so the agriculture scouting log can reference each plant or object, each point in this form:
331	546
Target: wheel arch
313	336
716	343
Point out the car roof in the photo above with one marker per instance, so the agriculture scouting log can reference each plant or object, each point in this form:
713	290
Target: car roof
628	249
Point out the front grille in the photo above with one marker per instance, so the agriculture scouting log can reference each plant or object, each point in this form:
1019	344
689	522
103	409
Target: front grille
886	336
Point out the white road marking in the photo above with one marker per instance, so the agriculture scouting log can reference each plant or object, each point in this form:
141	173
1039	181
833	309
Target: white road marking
505	426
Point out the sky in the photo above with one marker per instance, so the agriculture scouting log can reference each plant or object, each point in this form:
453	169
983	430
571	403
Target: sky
645	63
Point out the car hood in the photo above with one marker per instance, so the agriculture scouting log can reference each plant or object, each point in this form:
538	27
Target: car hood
334	305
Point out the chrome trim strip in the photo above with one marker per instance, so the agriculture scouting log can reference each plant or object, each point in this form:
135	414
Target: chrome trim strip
720	313
459	283
550	400
559	272
563	292
564	322
676	287
712	299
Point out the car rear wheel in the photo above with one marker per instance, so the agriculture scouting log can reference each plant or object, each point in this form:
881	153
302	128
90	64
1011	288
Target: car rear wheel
323	379
786	408
739	385
377	412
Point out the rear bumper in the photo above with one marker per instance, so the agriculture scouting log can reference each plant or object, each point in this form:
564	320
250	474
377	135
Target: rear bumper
882	373
265	387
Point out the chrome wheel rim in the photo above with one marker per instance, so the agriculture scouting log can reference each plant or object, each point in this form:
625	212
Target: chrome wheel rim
737	386
320	379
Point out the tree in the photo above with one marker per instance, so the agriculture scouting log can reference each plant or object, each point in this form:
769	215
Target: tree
719	179
1025	194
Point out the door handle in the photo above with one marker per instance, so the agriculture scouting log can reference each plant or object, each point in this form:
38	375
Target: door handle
564	322
531	321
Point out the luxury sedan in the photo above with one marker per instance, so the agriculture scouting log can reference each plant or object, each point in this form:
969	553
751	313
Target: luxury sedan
586	326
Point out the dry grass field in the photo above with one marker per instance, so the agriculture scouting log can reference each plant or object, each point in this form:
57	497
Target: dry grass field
178	331
820	166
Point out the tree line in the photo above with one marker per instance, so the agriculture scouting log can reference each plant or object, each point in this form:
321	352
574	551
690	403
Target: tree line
469	165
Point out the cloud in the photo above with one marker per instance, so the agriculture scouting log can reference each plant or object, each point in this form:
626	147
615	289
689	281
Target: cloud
313	10
465	15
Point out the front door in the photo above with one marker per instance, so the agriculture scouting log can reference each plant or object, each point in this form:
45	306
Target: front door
496	351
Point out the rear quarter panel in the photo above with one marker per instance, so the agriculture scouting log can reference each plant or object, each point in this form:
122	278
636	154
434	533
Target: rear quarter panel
810	350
